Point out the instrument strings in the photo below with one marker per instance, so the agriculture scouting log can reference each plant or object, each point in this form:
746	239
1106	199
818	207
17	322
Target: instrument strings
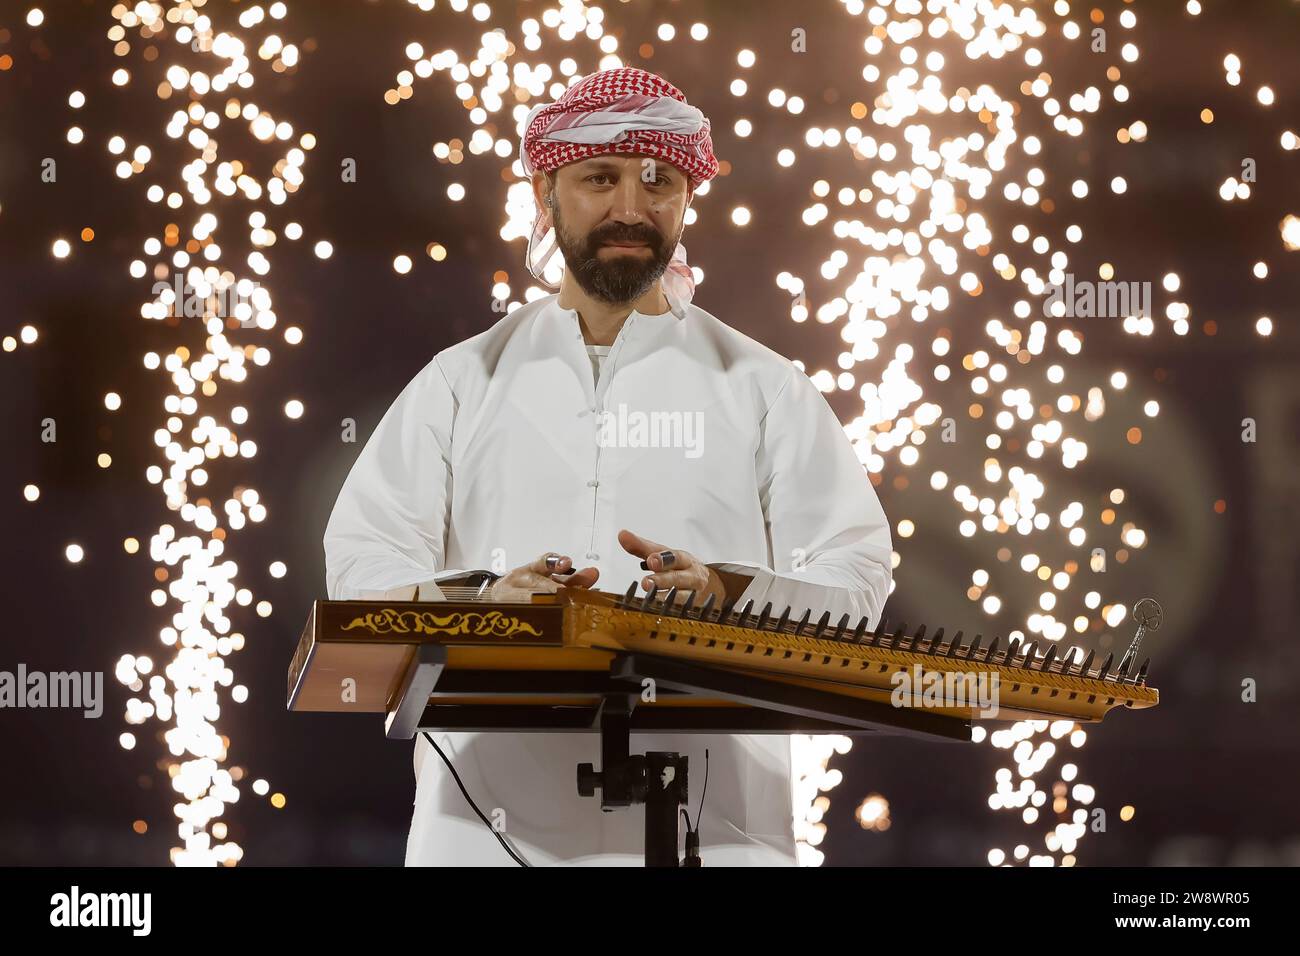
1070	663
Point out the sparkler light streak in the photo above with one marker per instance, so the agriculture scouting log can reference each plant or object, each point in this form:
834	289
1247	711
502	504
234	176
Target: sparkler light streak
944	161
937	214
207	80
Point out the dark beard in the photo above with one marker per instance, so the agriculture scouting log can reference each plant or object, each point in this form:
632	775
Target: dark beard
622	278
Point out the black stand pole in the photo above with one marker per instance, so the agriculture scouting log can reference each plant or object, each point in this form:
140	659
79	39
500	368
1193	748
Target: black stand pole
656	779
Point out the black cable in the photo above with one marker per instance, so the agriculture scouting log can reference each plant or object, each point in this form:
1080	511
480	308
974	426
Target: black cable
703	791
693	833
500	839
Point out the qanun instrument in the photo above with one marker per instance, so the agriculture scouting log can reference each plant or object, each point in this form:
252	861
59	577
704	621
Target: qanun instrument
499	661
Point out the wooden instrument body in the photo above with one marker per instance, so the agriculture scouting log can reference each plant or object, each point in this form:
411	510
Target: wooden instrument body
354	656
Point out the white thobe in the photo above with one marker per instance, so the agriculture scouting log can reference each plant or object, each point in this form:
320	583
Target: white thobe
504	448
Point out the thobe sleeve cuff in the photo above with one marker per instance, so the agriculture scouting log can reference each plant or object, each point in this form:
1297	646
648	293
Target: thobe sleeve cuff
394	584
790	590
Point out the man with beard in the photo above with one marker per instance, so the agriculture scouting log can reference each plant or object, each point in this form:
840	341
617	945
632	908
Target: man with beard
492	458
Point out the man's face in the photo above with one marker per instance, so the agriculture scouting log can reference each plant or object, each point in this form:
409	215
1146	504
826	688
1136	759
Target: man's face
618	219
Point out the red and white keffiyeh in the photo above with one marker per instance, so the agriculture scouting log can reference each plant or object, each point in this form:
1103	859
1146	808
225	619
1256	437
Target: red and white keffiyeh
625	110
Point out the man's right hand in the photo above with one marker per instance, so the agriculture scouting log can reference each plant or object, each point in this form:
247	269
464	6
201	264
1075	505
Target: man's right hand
544	576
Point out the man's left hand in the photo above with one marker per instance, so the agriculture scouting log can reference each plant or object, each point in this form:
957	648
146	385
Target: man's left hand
673	568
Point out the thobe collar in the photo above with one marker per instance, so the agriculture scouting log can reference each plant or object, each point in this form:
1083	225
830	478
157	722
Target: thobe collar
637	334
676	308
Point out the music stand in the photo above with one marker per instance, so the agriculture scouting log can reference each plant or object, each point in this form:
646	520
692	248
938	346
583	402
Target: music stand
762	705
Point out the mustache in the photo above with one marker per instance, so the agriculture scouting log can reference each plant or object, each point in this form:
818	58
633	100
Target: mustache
649	236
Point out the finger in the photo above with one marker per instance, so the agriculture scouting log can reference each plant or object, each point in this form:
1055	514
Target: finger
635	544
682	580
578	579
668	559
550	563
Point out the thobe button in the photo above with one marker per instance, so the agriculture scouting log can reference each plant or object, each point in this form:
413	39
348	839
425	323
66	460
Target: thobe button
593	483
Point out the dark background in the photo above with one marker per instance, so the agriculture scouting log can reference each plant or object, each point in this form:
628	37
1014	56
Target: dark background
1213	779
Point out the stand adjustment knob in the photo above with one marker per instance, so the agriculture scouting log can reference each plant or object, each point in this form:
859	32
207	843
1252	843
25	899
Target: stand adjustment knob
588	780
